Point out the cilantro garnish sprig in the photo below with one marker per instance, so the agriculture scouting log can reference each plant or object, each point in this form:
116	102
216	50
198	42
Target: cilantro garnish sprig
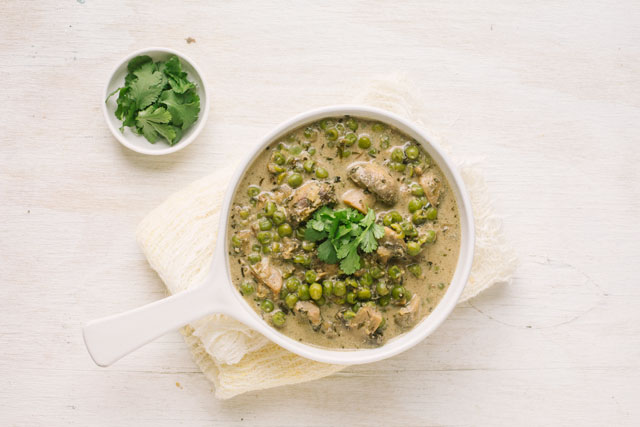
343	232
157	100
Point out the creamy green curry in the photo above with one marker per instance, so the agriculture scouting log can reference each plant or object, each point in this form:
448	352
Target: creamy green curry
343	234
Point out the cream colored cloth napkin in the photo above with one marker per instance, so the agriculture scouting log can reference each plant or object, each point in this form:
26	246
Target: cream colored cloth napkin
178	239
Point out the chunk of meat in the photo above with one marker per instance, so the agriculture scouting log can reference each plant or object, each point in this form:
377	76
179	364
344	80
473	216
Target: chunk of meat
358	199
367	320
289	246
391	245
310	311
432	186
306	199
282	193
375	178
268	275
408	315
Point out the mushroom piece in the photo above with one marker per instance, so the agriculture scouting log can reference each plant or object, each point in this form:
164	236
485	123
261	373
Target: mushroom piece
289	246
375	178
367	320
432	186
268	275
358	199
310	311
408	315
306	199
391	245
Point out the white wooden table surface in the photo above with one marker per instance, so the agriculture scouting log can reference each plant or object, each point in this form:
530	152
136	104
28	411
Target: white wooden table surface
545	94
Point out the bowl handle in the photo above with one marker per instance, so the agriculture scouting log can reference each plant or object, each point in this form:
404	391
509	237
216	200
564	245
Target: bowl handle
113	337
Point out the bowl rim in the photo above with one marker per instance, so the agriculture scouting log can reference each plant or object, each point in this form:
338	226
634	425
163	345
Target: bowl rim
199	124
429	323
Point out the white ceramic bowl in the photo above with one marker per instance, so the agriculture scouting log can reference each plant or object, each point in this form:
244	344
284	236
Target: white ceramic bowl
138	142
111	338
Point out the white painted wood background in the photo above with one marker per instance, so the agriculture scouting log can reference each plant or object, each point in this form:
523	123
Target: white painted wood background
544	94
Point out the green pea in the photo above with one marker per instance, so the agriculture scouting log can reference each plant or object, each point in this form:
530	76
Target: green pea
407	295
291	300
266	306
416	189
310	276
301	259
383	324
345	153
247	287
321	173
326	124
295	149
308	165
394	272
294	180
264	224
398	229
429	236
419	217
270	209
384	142
416	204
310	133
321	301
278	217
398	292
413	248
372	152
244	213
256	247
351	297
398	167
350	139
308	246
352	124
292	284
327	288
377	127
300	231
278	158
364	142
278	319
315	291
285	230
332	134
303	292
366	279
381	288
339	289
415	269
311	151
376	272
356	307
348	315
391	217
432	213
364	294
236	241
397	155
340	127
253	191
351	282
254	257
384	301
412	152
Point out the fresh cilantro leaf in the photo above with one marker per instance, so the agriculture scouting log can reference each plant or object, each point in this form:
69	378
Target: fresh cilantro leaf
378	230
327	253
313	235
146	88
148	122
351	263
137	62
177	78
183	114
368	243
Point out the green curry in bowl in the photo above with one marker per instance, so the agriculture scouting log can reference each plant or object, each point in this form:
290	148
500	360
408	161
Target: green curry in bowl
344	233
